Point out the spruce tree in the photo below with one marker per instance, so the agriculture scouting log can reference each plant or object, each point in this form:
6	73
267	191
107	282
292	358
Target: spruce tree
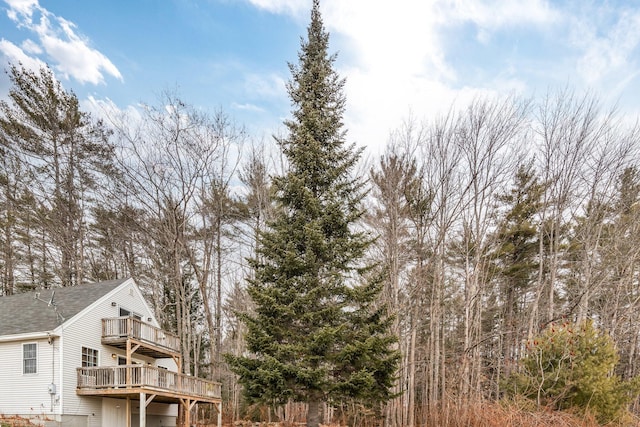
318	333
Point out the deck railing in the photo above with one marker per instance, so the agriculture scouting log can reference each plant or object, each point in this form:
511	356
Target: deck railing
146	376
127	326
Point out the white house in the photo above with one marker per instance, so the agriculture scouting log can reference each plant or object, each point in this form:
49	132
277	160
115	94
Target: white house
93	356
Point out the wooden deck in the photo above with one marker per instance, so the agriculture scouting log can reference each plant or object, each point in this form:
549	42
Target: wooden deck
155	342
131	380
146	382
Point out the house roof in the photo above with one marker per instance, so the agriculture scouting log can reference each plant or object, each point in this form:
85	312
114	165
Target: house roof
44	310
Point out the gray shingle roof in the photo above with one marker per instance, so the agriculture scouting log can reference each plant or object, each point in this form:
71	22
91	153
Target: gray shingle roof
24	313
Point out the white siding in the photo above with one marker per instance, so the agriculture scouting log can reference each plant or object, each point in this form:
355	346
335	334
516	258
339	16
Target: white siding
159	409
158	414
170	364
28	394
85	330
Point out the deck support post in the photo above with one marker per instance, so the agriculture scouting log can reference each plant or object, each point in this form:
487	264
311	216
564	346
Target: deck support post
143	409
187	413
186	405
128	411
219	408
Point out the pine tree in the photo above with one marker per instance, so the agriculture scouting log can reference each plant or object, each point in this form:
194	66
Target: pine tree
318	333
571	366
516	253
64	154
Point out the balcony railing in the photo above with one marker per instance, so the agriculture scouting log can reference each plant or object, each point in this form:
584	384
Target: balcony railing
148	377
120	328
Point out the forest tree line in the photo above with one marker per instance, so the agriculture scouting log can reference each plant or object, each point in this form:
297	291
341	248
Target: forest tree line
492	222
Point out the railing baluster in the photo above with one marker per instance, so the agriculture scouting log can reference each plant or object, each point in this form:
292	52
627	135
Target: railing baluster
121	327
146	376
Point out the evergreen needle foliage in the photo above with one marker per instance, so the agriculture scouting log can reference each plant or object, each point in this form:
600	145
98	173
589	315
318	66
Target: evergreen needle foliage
571	366
318	332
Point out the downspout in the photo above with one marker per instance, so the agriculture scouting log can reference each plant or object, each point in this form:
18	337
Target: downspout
52	342
61	372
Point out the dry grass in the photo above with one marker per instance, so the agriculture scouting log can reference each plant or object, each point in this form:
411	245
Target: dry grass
495	415
15	422
511	414
489	414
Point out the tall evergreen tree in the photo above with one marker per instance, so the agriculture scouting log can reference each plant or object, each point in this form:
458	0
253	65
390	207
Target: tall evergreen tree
64	154
318	333
516	262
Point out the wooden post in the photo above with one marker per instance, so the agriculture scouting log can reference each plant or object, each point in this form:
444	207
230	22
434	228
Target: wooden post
128	411
143	409
219	408
128	369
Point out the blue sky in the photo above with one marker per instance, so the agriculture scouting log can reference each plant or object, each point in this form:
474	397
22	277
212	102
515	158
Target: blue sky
400	58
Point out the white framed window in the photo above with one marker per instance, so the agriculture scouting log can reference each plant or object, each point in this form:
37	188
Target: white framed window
89	357
30	358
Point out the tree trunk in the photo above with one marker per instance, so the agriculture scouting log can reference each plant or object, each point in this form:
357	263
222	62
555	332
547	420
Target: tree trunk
313	412
412	377
218	324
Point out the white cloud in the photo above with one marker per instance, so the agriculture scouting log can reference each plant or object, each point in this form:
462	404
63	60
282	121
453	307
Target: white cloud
247	107
21	7
68	52
108	111
396	56
391	37
288	7
76	59
31	47
14	54
393	54
266	86
492	15
400	63
607	50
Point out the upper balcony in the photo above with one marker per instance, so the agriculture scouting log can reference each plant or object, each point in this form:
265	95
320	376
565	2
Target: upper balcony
152	341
